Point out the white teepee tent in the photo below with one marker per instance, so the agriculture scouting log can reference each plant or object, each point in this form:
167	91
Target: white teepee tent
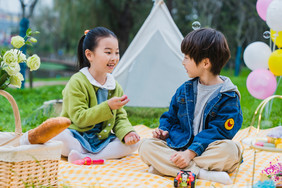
151	69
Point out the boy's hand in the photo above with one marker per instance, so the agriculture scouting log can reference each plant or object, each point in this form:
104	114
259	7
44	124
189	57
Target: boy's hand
182	158
131	138
160	134
117	102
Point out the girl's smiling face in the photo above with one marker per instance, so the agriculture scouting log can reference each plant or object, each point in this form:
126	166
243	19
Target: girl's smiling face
105	56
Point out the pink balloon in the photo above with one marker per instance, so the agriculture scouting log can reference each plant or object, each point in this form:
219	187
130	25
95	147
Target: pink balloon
261	83
262	6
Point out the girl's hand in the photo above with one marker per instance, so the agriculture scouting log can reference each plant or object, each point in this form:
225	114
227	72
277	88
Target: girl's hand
182	158
117	102
160	134
131	138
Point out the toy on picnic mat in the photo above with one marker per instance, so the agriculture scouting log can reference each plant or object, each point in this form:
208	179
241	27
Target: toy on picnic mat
185	179
88	161
273	139
275	136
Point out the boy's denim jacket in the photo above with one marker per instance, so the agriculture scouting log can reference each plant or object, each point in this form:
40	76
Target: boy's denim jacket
220	109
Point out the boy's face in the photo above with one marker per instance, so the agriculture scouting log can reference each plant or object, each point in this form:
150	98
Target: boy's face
191	67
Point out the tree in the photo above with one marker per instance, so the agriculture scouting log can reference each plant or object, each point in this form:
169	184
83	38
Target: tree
29	5
120	16
241	27
49	26
236	19
24	25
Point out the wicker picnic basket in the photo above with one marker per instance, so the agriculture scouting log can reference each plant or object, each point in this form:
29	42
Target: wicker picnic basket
26	165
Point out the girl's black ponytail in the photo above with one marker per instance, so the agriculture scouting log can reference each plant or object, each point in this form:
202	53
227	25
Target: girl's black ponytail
82	60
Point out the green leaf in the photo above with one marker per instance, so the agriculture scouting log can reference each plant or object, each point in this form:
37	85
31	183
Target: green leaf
28	32
5	85
3	52
4	77
28	43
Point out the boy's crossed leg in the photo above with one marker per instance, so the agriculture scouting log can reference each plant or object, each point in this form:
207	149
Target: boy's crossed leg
219	158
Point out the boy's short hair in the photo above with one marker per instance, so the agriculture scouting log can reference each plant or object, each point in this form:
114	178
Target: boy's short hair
207	43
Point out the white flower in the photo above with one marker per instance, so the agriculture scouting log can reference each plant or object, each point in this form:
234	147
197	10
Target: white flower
10	57
33	62
17	41
33	40
12	68
16	80
21	57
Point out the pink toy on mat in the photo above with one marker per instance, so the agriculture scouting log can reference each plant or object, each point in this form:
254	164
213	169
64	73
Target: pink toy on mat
263	144
88	161
259	143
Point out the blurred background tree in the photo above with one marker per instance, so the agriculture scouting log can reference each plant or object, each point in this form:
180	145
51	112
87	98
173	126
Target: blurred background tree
62	22
27	9
62	26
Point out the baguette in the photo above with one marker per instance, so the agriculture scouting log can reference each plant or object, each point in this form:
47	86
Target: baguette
48	130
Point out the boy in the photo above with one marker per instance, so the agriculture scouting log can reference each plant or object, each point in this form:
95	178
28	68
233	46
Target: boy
204	115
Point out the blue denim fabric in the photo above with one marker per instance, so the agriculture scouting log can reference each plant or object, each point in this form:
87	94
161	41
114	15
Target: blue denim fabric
178	121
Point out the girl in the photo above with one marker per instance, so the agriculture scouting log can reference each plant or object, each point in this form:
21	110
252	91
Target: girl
94	101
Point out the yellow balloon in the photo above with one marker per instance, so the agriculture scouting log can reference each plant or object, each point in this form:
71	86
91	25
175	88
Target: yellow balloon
278	40
275	62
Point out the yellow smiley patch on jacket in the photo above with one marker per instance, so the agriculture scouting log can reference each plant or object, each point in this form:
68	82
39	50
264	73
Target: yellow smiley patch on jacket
229	124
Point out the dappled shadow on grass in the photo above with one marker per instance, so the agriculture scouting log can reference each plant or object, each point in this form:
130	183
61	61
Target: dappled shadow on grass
38	116
28	101
145	116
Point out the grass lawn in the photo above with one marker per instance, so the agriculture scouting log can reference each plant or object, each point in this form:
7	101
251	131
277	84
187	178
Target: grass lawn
29	100
150	116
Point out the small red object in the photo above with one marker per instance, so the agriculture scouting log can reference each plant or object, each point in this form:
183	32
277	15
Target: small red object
88	161
98	161
125	97
259	144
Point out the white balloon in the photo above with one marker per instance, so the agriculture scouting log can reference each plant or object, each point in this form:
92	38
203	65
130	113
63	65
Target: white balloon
256	55
274	15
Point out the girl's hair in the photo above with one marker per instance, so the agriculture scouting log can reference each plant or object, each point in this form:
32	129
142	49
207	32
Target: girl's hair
90	41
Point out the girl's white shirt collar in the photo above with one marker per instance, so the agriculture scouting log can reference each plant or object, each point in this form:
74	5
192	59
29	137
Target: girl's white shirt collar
110	82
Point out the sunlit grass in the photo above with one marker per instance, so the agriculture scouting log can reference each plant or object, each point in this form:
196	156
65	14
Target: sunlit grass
29	100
